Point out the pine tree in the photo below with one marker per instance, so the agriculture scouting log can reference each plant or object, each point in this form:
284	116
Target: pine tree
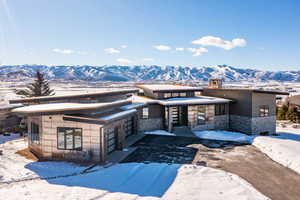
40	87
292	114
281	113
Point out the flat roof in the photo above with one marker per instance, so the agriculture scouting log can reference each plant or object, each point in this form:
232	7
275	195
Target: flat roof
64	107
85	95
201	100
168	87
251	90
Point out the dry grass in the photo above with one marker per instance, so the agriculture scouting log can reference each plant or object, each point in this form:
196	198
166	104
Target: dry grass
27	154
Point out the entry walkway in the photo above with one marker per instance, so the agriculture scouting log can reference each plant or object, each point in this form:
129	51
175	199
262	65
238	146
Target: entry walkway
183	131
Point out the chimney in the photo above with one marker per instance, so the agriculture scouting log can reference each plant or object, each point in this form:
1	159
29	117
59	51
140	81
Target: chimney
215	83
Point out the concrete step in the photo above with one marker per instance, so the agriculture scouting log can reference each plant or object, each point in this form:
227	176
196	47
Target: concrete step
183	131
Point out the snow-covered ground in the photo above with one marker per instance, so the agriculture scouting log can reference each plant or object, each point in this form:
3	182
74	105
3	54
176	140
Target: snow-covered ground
223	135
284	149
121	181
159	132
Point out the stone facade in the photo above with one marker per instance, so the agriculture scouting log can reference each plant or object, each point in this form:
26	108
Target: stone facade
240	123
150	124
253	126
264	125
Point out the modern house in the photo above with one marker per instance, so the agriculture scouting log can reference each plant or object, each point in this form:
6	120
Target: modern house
90	127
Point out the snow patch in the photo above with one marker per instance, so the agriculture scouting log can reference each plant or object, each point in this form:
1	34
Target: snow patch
224	136
159	132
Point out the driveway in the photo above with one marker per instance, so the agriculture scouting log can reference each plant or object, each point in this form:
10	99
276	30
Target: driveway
267	176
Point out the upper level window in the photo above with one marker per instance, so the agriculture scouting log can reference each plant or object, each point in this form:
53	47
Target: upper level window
167	95
220	109
182	94
69	138
34	133
175	94
145	114
264	111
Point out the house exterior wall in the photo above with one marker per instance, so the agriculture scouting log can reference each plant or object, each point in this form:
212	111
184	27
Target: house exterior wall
244	112
47	148
8	120
265	125
155	120
214	122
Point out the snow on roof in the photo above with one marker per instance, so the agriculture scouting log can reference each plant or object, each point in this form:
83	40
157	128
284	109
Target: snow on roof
133	106
9	106
143	99
117	115
193	100
58	107
167	87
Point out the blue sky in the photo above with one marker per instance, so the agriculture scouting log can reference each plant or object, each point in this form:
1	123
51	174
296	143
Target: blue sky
261	34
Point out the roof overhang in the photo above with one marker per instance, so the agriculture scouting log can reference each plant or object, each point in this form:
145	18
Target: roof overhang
65	108
64	97
168	88
101	120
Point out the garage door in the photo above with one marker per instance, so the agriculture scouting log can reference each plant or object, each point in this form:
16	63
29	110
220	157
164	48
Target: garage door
128	125
111	139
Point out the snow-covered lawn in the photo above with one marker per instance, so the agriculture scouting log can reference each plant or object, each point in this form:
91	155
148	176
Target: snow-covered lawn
14	167
284	149
159	132
121	181
223	135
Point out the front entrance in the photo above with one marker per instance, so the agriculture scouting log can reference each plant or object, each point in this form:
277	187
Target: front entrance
111	139
179	115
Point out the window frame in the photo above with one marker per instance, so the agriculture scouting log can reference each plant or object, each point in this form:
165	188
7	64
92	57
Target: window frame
220	109
264	111
145	116
73	139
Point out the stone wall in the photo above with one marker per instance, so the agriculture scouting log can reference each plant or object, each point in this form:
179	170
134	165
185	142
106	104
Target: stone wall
221	122
150	124
253	126
265	125
240	123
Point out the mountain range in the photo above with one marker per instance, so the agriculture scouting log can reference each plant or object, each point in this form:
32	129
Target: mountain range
144	73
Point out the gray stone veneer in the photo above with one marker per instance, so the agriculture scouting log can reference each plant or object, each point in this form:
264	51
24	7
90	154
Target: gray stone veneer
264	124
253	126
150	124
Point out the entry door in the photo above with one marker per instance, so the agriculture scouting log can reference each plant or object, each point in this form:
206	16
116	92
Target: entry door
179	115
111	138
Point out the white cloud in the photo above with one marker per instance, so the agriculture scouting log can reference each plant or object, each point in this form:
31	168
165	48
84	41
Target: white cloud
162	47
64	51
148	59
124	60
218	42
123	46
111	50
198	51
179	49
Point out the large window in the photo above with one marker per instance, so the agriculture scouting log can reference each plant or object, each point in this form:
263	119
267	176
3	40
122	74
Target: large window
34	133
145	114
69	138
264	111
201	116
167	95
220	109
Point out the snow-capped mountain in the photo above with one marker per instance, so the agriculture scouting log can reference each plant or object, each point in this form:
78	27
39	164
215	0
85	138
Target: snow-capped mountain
145	73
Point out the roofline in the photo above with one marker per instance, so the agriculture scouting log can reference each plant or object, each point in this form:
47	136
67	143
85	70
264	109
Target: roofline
169	90
74	110
88	95
251	90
